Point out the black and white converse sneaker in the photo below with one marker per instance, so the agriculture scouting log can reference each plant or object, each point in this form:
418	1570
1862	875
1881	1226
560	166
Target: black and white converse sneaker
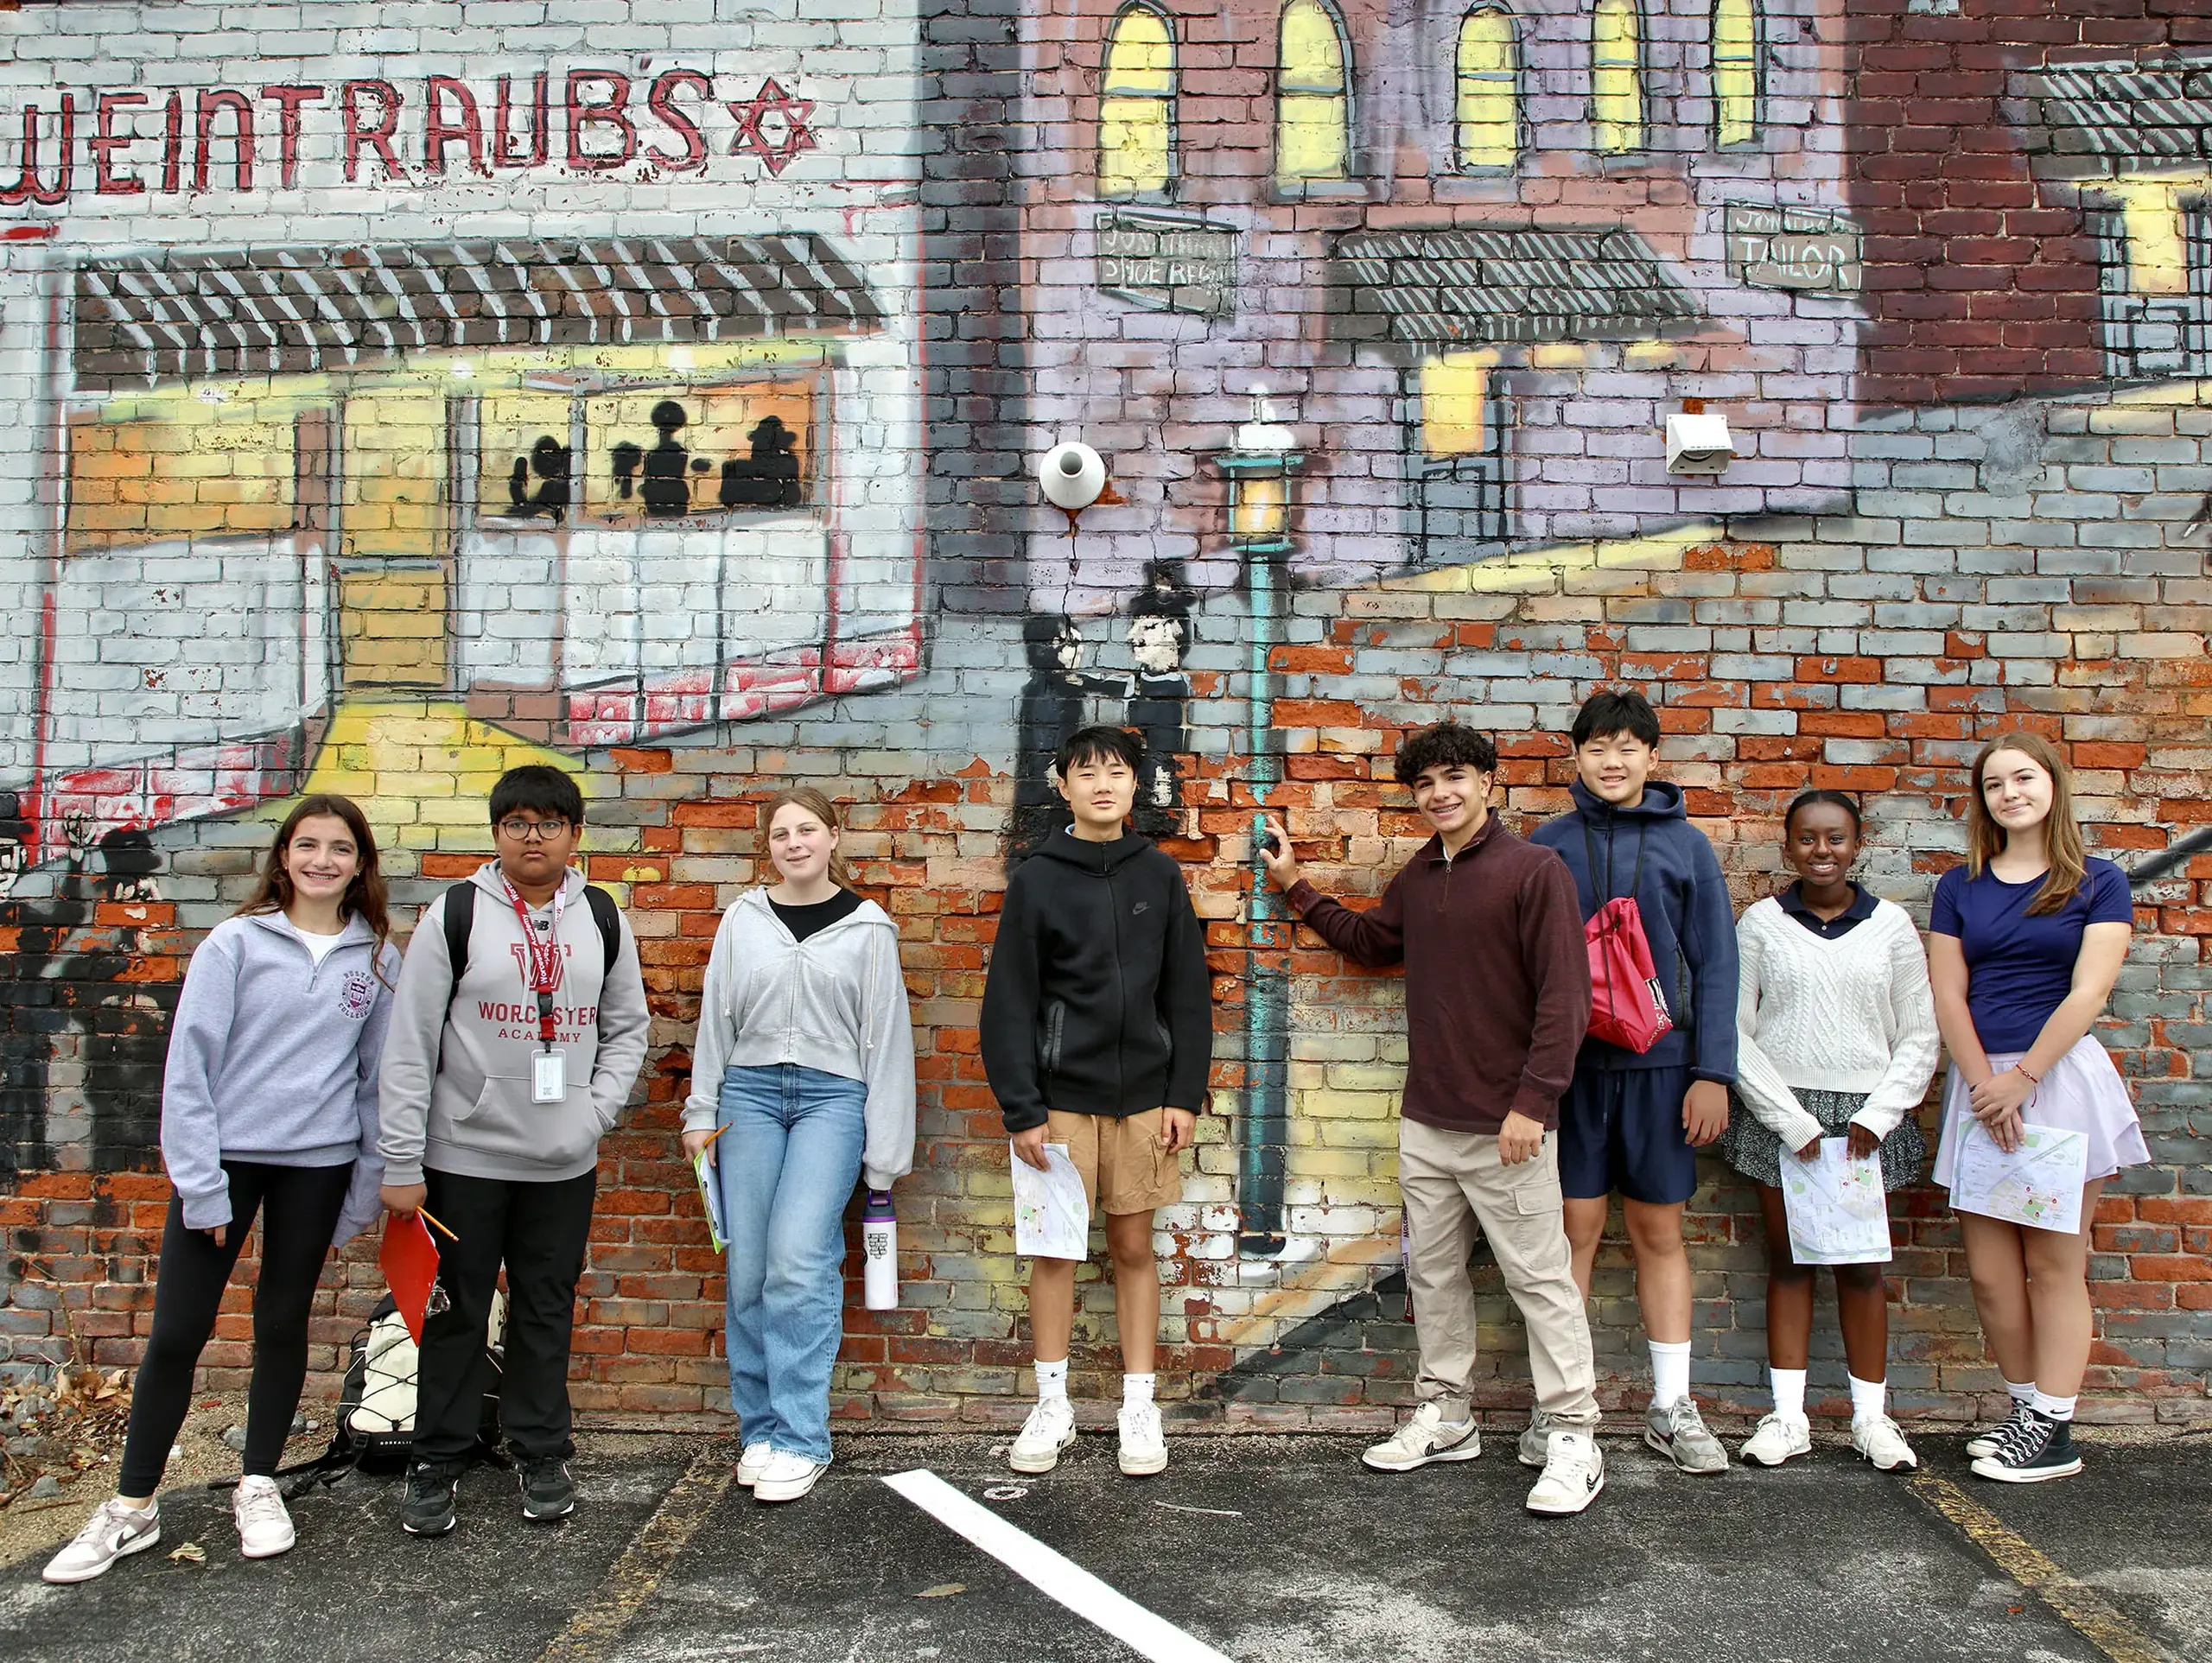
2033	1449
1989	1443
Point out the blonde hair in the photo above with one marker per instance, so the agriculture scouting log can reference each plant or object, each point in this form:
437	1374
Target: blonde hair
806	798
2061	833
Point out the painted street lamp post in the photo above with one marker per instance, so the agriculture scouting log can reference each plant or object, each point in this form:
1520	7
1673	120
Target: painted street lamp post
1259	472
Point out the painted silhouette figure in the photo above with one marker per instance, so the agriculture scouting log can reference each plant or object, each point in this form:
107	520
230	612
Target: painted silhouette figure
626	458
70	989
1160	693
666	486
769	479
549	459
1052	706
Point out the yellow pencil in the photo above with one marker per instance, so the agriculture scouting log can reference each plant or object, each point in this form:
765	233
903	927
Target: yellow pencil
427	1219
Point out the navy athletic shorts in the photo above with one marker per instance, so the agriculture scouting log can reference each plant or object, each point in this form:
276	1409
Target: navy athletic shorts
1622	1129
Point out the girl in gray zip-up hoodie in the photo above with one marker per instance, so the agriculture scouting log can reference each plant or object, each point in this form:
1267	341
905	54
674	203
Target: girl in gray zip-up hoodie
268	1109
802	1081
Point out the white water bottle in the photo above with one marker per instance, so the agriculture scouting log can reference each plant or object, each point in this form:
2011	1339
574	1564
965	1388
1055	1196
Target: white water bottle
880	1252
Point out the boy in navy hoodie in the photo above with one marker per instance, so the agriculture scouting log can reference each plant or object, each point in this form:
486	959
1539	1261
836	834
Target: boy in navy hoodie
1633	1123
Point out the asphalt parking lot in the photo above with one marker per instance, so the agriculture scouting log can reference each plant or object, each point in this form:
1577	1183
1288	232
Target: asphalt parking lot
1260	1550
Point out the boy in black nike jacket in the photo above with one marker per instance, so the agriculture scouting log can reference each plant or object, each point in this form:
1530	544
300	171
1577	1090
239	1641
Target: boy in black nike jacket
1097	1033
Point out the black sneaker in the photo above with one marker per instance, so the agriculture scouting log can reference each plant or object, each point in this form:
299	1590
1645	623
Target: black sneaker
548	1492
428	1508
2034	1449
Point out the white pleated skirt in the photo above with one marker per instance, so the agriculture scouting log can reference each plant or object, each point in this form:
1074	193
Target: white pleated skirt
2083	1092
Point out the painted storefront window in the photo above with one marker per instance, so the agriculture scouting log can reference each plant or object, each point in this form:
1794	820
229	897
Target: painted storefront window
196	470
1136	108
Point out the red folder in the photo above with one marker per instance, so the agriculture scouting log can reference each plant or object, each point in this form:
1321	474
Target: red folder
410	1260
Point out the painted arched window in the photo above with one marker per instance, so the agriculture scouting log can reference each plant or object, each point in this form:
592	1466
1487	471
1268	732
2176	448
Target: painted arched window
1735	71
1136	106
1489	92
1312	98
1617	77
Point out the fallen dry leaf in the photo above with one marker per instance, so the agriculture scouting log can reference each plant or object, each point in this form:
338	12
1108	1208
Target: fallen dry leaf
189	1554
942	1589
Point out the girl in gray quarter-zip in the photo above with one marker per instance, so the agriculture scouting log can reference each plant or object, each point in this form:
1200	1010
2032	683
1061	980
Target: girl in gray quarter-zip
269	1106
802	1082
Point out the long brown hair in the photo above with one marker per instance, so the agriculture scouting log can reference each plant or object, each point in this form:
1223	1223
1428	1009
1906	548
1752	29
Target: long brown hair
365	896
2061	833
806	798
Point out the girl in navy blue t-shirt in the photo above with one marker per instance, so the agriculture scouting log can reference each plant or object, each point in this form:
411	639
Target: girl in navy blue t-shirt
2024	943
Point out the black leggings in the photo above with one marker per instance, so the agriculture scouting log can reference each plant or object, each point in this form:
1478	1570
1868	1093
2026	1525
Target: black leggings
299	1207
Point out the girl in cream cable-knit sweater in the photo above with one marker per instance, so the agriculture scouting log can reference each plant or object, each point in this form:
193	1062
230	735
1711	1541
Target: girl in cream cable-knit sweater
1836	1038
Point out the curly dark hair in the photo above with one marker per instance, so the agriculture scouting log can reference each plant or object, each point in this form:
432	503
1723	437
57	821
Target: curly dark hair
1447	745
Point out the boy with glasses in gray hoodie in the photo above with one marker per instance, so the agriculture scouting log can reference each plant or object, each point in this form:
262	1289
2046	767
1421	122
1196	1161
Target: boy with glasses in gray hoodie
518	1030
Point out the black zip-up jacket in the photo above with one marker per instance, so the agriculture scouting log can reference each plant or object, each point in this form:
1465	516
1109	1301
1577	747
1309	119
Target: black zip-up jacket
1097	1000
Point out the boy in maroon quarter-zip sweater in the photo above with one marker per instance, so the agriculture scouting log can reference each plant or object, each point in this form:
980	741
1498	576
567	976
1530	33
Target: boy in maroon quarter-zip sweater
1497	995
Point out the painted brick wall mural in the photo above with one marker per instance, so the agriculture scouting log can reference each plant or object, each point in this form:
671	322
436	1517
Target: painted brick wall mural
395	393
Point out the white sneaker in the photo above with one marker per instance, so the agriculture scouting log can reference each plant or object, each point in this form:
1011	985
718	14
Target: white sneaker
1535	1448
1144	1446
1881	1440
1426	1437
751	1462
1778	1439
1575	1471
264	1527
108	1535
1049	1429
787	1476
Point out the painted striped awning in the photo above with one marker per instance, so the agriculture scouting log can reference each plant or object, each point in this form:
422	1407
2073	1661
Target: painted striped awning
2158	111
177	314
1438	288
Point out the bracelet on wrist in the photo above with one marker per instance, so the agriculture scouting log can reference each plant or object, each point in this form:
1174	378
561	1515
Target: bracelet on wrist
2022	1067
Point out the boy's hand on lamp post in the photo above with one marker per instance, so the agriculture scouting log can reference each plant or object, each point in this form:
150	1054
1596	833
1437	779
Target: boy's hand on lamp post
1276	855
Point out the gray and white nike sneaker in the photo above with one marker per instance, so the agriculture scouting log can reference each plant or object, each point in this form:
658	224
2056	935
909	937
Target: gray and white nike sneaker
1679	1433
114	1533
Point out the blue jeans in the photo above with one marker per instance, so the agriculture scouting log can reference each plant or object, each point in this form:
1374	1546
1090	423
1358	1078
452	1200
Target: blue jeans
787	1166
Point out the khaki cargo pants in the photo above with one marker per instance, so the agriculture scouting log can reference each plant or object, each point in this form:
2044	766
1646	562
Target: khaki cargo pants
1453	1181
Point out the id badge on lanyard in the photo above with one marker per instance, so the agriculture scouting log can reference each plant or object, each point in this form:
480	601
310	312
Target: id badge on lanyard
548	1077
549	1067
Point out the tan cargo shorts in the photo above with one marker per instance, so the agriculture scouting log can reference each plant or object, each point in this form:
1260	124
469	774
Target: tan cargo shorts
1125	1163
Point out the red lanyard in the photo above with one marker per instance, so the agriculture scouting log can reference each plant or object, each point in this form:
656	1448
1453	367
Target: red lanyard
545	958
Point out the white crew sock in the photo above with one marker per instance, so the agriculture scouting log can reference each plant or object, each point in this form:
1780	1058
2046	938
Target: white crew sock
1136	1389
2017	1391
1789	1391
1870	1399
1052	1380
2051	1408
1670	1373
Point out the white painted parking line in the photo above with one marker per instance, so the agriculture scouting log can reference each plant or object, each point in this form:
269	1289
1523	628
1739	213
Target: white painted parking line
1052	1573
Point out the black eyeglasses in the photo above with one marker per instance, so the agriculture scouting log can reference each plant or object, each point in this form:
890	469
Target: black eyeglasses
531	831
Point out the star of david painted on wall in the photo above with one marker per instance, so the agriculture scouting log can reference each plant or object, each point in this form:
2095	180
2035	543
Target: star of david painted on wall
772	125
